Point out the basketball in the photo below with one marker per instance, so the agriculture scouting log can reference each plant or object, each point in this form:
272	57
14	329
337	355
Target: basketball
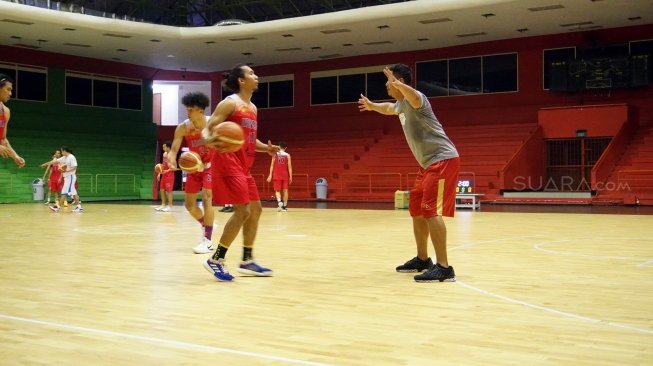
190	162
231	134
158	168
62	168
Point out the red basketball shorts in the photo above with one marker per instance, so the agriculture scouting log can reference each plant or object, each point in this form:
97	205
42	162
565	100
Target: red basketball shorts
195	182
280	184
434	192
239	189
167	181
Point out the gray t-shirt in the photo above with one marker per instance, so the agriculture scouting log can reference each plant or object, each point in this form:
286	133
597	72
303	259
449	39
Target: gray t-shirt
424	133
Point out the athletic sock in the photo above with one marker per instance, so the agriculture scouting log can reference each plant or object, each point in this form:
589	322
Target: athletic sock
221	252
247	253
208	231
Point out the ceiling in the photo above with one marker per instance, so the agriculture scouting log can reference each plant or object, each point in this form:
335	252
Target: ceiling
366	27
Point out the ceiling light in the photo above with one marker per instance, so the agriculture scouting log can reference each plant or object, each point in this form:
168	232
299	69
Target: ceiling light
522	30
70	29
438	20
422	39
77	45
155	40
116	35
576	24
243	39
487	15
634	18
288	35
288	49
376	43
383	26
471	34
332	31
16	21
209	42
548	7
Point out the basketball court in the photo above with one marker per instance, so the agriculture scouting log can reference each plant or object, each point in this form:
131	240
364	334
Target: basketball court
119	284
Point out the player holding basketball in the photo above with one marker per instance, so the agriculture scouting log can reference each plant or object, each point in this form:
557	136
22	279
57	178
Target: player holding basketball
55	179
6	151
233	180
434	192
191	131
281	171
166	180
69	188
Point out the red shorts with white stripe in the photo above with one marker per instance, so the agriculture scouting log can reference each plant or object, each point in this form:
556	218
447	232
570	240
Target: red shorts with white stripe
434	191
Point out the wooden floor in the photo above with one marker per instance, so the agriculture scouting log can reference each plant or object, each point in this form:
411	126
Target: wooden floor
119	285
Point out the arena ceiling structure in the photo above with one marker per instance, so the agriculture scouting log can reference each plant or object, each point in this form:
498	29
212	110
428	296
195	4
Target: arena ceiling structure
208	35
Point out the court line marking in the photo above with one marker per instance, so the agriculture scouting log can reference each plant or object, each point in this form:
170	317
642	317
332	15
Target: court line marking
161	341
540	247
554	311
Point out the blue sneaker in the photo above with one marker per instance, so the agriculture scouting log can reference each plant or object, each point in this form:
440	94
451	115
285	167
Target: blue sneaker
252	268
218	270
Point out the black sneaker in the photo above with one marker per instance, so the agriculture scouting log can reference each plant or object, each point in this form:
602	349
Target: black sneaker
437	273
415	265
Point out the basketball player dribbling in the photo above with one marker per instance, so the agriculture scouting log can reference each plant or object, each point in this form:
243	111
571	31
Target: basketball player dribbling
190	131
166	180
233	180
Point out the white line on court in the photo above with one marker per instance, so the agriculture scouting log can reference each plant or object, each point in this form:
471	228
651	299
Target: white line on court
540	247
554	311
644	264
161	341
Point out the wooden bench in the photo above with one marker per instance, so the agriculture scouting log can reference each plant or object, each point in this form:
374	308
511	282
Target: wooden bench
468	200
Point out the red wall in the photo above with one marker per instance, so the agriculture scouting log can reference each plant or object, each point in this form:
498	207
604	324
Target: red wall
597	120
521	106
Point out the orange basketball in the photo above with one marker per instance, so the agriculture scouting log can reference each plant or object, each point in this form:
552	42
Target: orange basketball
62	168
231	134
190	162
158	168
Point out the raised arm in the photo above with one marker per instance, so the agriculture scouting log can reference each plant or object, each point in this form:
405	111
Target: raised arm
411	95
365	104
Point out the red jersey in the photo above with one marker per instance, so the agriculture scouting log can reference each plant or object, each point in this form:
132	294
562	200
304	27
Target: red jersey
55	173
238	163
194	142
3	122
280	169
165	165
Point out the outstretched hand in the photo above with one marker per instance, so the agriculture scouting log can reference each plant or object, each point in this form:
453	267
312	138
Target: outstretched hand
272	150
364	104
19	161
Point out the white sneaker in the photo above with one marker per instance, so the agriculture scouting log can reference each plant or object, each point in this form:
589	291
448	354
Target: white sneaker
158	208
203	247
280	204
165	209
79	208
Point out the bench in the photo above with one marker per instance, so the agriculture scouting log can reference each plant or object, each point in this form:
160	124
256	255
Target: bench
468	200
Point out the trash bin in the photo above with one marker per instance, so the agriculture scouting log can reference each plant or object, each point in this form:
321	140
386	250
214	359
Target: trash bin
321	188
38	194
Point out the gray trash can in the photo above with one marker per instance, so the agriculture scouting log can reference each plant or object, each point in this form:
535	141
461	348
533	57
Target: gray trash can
321	188
38	193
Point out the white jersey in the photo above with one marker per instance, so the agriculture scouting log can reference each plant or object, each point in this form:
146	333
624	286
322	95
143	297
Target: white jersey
70	162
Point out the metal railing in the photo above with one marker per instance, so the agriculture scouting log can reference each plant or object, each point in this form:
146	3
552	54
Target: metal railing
8	187
370	182
115	180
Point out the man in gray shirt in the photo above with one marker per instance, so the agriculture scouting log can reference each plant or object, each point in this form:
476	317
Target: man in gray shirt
434	192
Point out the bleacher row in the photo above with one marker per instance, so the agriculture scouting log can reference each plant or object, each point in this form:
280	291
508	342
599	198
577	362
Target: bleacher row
110	167
373	164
